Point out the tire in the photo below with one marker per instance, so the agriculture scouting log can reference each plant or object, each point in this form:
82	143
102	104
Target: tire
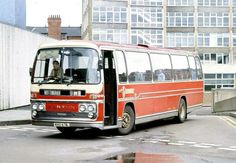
182	111
128	119
66	130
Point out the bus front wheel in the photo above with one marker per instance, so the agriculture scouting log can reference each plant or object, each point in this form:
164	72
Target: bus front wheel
66	130
127	121
182	111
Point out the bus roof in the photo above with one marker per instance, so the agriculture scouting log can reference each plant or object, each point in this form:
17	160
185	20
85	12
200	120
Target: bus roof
110	45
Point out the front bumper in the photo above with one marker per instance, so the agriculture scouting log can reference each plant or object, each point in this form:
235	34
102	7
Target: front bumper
72	123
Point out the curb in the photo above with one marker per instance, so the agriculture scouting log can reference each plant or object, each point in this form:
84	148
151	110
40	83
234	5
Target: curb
226	114
232	115
15	122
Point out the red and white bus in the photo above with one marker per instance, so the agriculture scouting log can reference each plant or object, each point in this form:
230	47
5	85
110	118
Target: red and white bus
107	85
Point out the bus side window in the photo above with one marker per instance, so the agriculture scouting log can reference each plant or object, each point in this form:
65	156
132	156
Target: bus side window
121	66
193	68
161	65
180	67
199	68
139	67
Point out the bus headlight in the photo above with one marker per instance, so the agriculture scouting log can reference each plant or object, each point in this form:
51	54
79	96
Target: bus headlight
41	107
82	108
35	106
91	108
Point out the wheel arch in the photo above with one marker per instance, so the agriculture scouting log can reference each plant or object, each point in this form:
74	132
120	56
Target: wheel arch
131	104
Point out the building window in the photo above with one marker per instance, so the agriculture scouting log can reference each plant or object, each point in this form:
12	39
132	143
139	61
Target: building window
111	35
234	19
180	2
109	15
147	2
212	81
203	39
222	39
208	19
180	39
152	37
213	39
234	39
213	2
180	19
146	17
214	58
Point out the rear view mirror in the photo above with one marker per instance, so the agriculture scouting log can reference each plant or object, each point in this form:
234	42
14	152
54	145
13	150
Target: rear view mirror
100	64
31	71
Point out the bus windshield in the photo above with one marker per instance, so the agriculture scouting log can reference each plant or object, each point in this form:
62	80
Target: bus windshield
67	65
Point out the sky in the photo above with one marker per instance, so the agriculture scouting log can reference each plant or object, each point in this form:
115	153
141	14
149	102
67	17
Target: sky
37	12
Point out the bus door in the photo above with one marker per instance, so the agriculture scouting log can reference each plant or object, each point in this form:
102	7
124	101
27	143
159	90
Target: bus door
110	87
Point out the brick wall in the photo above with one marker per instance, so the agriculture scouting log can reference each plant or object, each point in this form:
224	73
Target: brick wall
54	27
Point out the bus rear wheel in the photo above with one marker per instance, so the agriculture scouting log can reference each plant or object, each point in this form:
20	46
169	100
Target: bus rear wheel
182	111
66	130
127	121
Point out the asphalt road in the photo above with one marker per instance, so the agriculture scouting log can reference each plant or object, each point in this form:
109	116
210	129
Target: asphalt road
202	138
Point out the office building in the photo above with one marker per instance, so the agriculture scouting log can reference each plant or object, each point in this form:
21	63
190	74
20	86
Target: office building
207	27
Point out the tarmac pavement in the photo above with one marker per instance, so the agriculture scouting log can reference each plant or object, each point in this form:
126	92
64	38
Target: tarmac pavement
22	115
17	116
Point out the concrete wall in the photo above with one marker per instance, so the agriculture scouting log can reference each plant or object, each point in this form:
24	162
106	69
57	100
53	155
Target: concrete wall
225	105
224	100
207	99
17	51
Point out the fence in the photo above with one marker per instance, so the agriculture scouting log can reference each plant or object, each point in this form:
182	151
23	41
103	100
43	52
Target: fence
17	51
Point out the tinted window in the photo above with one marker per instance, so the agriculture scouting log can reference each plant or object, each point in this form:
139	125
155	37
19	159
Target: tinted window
193	70
161	67
180	67
199	68
121	66
139	68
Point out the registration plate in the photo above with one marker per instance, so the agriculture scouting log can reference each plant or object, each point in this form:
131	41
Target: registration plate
61	124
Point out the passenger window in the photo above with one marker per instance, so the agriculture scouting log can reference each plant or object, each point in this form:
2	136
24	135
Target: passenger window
199	68
139	67
121	66
161	67
193	69
180	67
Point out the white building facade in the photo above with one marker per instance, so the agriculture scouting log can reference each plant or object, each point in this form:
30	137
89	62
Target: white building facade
207	27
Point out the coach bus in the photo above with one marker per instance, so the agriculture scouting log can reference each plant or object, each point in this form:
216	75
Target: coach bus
85	84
